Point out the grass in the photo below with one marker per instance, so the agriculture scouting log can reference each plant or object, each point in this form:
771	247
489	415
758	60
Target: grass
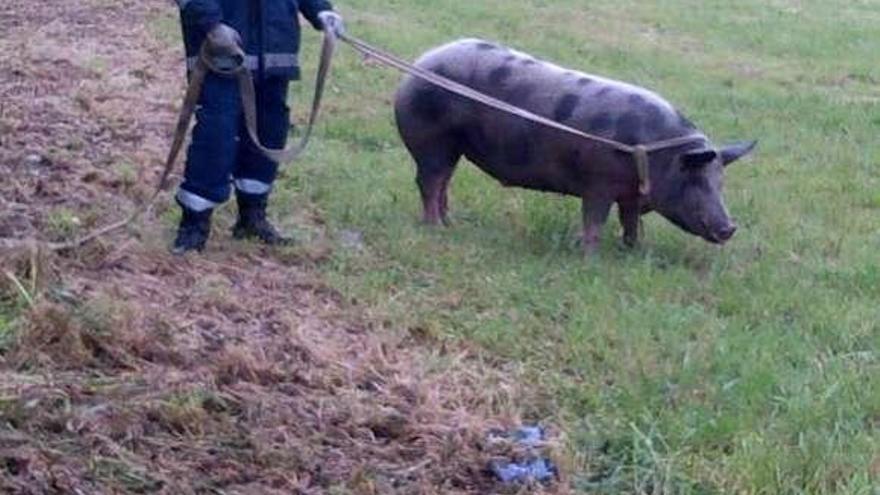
14	298
679	367
63	223
6	331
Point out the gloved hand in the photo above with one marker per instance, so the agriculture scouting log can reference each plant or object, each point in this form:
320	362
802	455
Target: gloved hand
332	21
223	45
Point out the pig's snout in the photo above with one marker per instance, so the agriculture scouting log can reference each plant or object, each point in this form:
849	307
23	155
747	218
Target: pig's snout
723	234
727	232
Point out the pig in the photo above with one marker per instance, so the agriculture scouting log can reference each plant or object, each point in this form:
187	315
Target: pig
438	127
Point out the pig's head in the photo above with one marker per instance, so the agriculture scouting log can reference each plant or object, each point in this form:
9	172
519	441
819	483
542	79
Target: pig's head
688	192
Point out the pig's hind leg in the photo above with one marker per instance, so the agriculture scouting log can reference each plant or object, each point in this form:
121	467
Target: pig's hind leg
435	164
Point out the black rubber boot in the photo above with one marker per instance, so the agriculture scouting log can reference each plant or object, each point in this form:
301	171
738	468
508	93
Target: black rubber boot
252	222
192	234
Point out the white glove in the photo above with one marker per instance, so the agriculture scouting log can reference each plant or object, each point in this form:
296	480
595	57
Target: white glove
332	21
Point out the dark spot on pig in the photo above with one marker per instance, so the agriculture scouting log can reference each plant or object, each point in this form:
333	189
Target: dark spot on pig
584	81
499	74
629	128
635	100
510	58
486	46
442	70
604	91
565	107
529	61
429	103
600	123
520	93
655	120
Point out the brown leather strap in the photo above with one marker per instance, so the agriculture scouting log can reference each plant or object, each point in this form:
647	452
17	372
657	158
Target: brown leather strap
640	153
248	101
190	100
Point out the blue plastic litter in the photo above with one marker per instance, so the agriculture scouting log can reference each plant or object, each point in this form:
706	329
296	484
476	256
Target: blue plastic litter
529	436
535	470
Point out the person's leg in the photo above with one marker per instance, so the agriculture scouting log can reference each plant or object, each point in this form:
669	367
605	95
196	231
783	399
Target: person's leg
209	162
255	174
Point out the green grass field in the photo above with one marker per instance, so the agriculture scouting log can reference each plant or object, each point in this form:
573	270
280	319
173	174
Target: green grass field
678	367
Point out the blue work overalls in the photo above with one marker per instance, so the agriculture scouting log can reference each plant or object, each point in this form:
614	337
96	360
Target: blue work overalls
221	153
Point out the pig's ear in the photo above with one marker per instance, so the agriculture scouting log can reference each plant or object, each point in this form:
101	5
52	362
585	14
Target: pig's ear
734	152
698	158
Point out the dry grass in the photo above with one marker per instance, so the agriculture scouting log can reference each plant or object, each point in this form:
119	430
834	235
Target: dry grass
237	372
297	401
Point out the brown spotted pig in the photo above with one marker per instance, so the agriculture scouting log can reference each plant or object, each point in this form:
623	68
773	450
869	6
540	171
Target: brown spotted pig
439	127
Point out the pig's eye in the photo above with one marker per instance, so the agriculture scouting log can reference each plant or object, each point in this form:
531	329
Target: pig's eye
698	181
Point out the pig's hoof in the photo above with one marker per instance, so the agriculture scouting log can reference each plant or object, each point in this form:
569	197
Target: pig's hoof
431	222
591	250
629	244
589	247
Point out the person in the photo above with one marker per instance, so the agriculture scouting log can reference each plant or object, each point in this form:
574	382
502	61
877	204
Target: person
221	155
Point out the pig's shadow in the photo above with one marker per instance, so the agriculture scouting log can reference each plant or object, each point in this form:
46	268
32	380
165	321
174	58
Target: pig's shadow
679	251
662	250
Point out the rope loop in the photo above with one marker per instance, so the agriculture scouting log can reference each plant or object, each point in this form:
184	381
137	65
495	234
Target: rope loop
640	153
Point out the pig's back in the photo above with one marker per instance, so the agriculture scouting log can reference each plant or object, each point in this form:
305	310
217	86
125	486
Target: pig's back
594	104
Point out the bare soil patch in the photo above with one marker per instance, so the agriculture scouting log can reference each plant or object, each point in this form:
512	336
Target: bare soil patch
238	371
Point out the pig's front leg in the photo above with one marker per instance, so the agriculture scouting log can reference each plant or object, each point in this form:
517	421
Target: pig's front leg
629	212
595	213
